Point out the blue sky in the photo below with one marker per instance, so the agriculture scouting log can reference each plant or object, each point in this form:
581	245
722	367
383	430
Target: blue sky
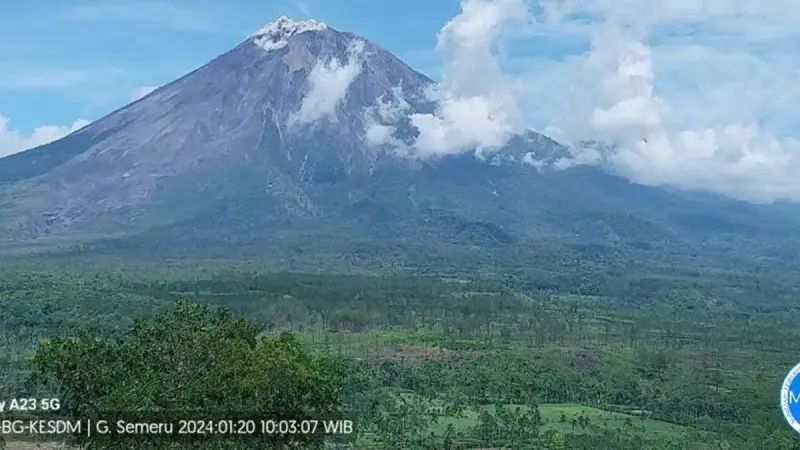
60	61
694	93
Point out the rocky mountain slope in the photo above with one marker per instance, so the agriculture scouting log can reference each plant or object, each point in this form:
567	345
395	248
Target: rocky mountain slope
249	152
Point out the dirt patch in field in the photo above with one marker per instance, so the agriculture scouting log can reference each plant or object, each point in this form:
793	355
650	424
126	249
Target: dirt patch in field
420	353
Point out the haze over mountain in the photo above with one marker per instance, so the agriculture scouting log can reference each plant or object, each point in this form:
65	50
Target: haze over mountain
304	137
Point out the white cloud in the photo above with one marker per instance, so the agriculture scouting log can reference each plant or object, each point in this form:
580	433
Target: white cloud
630	103
328	85
13	141
379	134
694	93
476	102
477	107
141	92
380	120
715	141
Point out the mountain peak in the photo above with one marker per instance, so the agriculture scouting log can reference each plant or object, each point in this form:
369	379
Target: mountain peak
276	34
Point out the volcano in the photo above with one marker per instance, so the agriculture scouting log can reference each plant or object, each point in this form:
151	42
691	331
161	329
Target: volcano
266	149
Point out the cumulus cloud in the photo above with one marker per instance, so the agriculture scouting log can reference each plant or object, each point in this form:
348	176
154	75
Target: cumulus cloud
654	146
694	93
328	85
14	141
476	100
141	92
380	120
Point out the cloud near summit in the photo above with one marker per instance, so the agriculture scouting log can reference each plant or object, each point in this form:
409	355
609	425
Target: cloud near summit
475	100
328	85
697	94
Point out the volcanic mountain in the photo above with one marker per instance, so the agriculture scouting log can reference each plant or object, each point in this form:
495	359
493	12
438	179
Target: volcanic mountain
251	154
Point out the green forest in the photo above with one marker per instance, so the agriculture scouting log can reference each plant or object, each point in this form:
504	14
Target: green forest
416	360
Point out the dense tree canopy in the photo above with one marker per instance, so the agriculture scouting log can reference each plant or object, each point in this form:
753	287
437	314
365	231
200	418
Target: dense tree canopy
191	362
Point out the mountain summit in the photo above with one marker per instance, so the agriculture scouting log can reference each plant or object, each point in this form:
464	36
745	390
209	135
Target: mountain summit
269	147
289	99
276	35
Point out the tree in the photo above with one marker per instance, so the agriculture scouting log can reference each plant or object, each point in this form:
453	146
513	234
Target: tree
191	362
555	441
400	419
487	428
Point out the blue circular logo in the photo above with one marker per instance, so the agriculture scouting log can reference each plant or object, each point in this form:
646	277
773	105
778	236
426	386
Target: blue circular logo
790	398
